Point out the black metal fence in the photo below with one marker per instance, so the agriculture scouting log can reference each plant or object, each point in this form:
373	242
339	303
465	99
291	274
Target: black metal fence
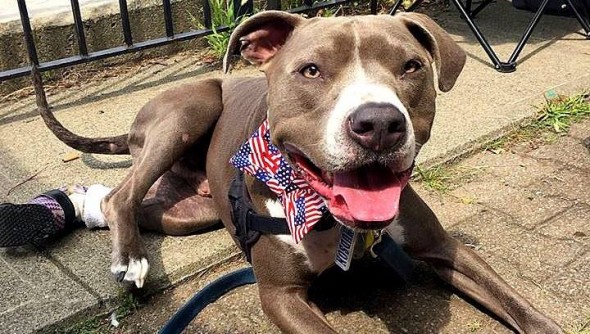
240	9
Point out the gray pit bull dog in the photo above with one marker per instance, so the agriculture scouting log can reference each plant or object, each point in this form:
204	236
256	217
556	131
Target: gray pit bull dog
350	101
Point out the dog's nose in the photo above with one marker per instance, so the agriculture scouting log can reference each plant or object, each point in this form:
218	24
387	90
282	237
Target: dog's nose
376	126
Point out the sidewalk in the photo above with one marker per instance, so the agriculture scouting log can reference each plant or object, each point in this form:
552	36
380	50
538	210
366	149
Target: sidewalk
70	279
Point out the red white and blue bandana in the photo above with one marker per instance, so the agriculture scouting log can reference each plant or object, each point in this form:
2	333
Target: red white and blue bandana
261	159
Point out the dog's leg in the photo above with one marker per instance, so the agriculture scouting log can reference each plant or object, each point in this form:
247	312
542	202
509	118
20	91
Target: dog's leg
173	206
283	280
164	130
461	267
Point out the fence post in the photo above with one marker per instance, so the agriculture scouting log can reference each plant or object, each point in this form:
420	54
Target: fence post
242	8
125	22
28	32
79	25
273	4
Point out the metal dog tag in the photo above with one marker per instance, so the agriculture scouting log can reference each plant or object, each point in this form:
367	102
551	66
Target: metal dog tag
345	251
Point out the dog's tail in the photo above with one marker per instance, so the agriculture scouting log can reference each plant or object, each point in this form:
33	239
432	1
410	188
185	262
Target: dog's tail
105	145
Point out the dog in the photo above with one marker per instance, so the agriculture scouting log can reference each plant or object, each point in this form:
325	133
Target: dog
350	101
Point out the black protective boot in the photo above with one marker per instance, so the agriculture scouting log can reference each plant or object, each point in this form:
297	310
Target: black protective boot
44	217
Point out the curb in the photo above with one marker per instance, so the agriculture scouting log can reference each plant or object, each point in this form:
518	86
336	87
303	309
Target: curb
471	147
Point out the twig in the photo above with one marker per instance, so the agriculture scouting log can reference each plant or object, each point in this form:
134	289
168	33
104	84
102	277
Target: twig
26	180
25	90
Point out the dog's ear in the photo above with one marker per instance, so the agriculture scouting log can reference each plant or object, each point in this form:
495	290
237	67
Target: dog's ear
259	37
448	56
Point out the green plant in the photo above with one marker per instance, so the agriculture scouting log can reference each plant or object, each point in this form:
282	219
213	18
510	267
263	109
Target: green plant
127	304
560	112
435	178
583	327
553	119
222	15
88	326
474	326
290	4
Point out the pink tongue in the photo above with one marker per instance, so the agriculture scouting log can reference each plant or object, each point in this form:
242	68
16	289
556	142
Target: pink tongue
367	194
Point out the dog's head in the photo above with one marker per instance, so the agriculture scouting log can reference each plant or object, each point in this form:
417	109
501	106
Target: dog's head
351	100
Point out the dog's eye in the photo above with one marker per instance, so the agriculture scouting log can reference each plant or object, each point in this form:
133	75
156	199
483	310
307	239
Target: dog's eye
412	66
310	71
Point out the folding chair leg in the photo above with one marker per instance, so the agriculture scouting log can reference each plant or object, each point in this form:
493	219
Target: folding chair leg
498	65
582	21
468	15
373	5
395	7
528	32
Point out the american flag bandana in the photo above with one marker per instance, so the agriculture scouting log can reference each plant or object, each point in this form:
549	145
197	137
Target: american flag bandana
261	159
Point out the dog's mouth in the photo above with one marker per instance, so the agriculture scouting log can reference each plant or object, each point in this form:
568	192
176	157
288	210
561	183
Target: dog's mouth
364	198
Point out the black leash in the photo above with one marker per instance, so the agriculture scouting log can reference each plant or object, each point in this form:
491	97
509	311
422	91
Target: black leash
210	293
386	249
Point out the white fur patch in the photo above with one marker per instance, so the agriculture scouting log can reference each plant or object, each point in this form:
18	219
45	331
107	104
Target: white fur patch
91	213
319	248
275	208
359	91
137	271
396	232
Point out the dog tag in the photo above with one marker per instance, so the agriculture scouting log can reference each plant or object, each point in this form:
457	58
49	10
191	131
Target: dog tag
345	251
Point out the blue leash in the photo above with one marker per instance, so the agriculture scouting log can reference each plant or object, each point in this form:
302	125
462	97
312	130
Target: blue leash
386	249
210	293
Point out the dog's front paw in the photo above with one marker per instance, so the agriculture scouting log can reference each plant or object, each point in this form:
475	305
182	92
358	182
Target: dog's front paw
131	269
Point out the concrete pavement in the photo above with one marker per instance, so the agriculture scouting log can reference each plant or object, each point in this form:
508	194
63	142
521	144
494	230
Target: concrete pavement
69	280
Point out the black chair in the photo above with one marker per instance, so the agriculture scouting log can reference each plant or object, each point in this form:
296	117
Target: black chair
469	14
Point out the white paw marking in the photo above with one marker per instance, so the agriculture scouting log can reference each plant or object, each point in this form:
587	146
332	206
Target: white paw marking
135	272
118	268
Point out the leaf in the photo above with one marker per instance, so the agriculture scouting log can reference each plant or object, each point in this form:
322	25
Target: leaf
71	156
466	200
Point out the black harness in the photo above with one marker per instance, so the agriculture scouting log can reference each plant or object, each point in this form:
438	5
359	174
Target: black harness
250	225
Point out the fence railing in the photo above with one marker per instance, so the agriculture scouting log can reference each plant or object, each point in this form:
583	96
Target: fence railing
84	56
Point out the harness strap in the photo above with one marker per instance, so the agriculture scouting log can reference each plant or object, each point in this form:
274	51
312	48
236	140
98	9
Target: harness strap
391	253
266	224
250	225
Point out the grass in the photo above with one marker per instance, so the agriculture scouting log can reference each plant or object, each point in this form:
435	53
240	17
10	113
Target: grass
435	179
474	326
128	303
553	120
89	326
583	327
559	113
444	178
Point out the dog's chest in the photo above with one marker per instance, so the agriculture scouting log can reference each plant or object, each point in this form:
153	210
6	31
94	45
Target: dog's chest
318	248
